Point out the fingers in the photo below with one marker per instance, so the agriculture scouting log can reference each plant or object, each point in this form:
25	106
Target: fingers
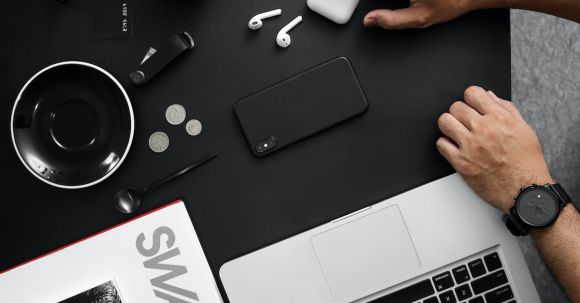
480	100
507	105
465	114
448	150
452	128
410	17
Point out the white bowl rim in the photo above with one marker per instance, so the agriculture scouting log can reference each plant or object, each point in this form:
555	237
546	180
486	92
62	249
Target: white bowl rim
130	135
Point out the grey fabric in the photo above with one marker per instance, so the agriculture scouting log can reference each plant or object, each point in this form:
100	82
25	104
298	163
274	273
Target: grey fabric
546	89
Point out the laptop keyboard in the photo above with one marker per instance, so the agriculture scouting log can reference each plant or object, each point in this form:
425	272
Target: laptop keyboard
477	280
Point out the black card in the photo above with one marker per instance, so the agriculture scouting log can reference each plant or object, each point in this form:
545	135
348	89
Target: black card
112	20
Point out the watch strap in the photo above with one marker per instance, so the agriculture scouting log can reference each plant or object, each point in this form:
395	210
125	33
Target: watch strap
514	225
561	193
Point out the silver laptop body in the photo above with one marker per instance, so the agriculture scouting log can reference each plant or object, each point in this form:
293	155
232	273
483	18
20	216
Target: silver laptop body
438	241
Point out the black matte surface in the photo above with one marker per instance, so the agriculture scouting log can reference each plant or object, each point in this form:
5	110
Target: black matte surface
238	202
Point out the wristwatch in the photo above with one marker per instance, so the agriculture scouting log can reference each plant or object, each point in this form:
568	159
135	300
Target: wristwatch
536	207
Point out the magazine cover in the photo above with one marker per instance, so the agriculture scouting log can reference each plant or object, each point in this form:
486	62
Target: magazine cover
155	257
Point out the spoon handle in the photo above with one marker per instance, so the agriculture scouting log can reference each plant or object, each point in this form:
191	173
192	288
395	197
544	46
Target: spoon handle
180	172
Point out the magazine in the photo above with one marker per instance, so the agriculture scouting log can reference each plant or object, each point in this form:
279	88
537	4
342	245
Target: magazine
155	257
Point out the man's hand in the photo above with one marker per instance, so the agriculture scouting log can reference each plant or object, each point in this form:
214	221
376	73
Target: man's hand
424	13
420	14
488	142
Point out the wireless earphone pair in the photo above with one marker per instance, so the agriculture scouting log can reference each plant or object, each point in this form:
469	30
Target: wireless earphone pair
283	39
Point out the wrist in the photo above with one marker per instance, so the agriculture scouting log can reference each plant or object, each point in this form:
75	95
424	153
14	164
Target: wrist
516	186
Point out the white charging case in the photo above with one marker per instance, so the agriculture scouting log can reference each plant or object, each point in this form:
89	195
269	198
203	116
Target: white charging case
338	11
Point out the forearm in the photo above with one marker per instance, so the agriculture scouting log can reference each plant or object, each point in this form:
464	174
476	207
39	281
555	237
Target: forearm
560	246
569	9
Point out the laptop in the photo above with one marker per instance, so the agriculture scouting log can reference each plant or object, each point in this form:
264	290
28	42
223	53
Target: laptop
436	243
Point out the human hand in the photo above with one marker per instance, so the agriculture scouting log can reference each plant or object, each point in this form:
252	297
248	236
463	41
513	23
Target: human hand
420	14
492	147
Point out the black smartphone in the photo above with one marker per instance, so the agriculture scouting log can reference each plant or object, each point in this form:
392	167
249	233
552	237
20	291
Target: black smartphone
301	106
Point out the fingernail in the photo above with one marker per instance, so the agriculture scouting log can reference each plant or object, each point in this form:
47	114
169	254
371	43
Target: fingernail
369	21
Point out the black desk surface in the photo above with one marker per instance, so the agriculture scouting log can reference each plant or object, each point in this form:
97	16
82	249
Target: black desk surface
239	203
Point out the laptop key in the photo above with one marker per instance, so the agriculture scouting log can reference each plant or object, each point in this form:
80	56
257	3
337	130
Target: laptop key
443	281
476	267
447	297
463	292
460	274
431	300
499	295
477	300
492	261
489	282
412	293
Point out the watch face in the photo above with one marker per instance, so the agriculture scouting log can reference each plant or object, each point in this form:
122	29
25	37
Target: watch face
538	206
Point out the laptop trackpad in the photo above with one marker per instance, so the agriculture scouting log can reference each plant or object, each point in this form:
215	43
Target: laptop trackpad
362	253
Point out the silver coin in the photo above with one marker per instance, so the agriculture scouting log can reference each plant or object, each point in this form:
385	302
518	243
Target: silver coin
193	127
175	114
158	142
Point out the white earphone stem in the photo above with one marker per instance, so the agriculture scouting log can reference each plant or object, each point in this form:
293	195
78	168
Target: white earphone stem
292	24
276	12
256	21
283	39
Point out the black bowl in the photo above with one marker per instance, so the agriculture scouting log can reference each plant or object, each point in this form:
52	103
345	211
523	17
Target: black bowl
72	125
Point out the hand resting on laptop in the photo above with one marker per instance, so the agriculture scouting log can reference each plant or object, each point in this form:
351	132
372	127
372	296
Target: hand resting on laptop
493	148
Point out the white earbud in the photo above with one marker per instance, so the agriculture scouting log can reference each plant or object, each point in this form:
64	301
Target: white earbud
283	39
256	22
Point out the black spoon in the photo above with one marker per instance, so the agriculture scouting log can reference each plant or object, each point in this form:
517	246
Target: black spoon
128	200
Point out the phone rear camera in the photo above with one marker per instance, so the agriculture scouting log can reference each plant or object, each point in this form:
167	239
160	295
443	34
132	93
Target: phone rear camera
267	145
